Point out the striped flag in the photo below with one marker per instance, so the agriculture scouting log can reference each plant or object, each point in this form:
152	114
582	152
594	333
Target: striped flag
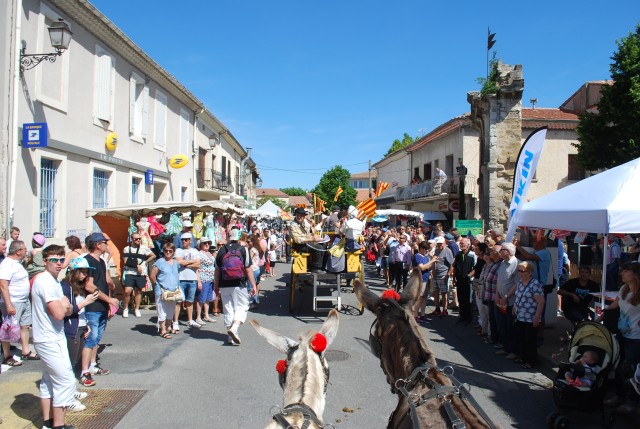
320	208
367	208
382	186
284	215
338	192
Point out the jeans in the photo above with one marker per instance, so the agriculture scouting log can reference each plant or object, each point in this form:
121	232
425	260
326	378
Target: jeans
505	326
97	321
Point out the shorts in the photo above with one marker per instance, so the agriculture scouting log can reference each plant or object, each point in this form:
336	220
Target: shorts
272	264
135	280
97	321
384	263
23	312
206	294
441	285
189	288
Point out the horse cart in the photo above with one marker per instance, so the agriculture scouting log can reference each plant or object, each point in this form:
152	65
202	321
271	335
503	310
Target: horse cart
308	271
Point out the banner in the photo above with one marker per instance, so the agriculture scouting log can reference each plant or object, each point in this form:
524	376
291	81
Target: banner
526	165
382	186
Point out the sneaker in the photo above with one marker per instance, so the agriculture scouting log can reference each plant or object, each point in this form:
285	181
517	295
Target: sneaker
444	313
87	380
233	333
76	406
137	313
80	395
231	342
176	326
501	352
511	356
96	370
125	313
435	312
200	322
497	346
194	324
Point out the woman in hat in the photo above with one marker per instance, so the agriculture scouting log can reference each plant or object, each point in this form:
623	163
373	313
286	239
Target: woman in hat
205	292
164	276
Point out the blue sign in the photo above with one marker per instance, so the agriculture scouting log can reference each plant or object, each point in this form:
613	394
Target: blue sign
148	177
34	135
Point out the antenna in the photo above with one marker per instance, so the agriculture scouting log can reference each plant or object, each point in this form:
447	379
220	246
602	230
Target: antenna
533	102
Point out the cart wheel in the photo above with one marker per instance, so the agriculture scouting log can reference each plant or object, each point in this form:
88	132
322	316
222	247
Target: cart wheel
551	419
292	292
562	422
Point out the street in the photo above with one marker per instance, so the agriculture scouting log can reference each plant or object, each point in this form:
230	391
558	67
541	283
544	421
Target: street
196	380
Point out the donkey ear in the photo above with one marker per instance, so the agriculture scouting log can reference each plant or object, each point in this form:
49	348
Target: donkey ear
366	297
330	326
278	341
412	290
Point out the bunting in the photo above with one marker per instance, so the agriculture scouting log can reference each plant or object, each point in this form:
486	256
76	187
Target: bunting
367	208
382	186
338	192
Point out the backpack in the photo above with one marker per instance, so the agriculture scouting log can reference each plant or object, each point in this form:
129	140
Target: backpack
232	264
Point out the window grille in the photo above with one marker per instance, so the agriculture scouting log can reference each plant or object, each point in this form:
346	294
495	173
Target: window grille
100	192
48	171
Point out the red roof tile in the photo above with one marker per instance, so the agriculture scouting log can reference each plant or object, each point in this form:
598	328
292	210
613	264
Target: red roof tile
270	192
295	200
553	118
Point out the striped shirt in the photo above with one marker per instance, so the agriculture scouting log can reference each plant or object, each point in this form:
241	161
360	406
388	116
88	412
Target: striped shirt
491	281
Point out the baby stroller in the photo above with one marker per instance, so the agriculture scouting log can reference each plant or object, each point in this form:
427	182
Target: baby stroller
597	338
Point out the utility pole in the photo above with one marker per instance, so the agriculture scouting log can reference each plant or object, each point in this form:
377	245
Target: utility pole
370	194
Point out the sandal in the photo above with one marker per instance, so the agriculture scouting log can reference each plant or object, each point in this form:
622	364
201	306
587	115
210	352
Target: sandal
527	366
12	362
209	319
166	336
31	356
216	313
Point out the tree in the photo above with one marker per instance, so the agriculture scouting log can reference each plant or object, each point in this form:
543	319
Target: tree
294	191
611	136
397	144
329	183
277	201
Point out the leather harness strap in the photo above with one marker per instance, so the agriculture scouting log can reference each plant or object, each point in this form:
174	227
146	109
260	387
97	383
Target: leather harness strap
308	414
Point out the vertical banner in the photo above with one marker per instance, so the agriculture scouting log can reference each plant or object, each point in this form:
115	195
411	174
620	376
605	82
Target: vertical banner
526	165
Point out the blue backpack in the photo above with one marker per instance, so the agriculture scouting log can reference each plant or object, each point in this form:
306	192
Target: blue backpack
232	268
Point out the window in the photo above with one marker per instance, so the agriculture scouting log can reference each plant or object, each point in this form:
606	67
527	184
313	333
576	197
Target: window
48	172
160	131
416	172
448	165
100	192
238	190
135	190
223	170
576	170
427	171
138	108
103	86
184	132
183	194
52	78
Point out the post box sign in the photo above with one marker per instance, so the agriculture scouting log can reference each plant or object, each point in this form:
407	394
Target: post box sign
148	177
34	135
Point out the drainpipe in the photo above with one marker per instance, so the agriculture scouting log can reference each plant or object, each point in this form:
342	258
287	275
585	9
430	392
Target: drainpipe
196	153
242	173
11	185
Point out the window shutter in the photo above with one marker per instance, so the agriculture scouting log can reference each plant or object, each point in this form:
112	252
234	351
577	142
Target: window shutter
132	105
161	114
103	85
145	112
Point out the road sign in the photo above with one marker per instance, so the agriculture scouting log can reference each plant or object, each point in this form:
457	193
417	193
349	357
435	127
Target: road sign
34	135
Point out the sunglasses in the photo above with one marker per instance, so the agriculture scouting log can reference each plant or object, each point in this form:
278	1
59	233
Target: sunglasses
135	238
522	271
168	251
185	239
56	260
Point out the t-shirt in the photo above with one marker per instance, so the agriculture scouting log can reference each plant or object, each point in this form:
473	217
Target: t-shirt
99	276
629	320
574	286
545	264
140	254
418	259
18	278
168	277
463	265
525	301
444	263
45	328
219	264
507	278
187	273
207	267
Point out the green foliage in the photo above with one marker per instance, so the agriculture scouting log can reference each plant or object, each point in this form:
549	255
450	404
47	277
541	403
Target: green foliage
612	136
294	191
490	84
326	189
399	144
277	201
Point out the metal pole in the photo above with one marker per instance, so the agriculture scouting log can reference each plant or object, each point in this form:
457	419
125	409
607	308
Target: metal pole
370	179
605	257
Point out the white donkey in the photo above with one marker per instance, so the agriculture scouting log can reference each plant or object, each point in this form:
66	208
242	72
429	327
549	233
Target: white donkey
303	376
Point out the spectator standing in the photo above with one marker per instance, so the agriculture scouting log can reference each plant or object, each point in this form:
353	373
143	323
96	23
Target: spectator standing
505	298
205	293
480	277
164	276
444	260
527	310
189	260
613	263
422	261
15	288
489	291
3	249
187	227
134	272
400	262
98	312
272	260
462	271
14	234
75	249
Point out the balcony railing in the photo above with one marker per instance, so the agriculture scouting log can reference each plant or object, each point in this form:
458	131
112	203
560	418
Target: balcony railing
214	180
435	187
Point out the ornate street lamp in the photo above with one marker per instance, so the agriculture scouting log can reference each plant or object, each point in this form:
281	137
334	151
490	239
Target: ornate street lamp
60	36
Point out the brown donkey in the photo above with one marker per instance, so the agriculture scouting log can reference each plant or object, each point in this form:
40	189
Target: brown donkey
428	397
304	375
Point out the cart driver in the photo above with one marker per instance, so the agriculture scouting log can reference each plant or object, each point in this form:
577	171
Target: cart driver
301	230
352	230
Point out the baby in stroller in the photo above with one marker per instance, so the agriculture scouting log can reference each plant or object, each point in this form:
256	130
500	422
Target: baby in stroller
582	373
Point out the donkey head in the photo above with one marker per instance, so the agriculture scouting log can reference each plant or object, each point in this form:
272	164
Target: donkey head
304	375
395	337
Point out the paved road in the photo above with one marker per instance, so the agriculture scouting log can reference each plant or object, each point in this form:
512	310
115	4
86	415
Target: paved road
196	380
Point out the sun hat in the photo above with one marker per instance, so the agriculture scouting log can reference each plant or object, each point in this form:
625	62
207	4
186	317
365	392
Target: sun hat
79	263
187	224
439	239
204	240
186	235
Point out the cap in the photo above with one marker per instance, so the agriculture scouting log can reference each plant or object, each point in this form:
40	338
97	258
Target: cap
39	238
234	234
300	210
439	240
187	224
186	235
335	208
79	263
97	237
385	229
448	236
204	240
431	241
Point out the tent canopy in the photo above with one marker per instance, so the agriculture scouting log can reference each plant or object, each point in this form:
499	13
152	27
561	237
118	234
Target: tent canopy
394	212
143	209
605	203
269	208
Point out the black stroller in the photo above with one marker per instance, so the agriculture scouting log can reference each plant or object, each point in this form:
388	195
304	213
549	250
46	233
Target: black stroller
597	338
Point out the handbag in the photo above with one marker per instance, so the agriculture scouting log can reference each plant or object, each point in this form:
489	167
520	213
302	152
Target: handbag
171	295
10	330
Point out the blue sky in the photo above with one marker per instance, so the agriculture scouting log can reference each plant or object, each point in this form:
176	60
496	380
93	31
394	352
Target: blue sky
313	84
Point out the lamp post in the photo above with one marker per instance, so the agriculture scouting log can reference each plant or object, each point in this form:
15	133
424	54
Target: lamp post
60	37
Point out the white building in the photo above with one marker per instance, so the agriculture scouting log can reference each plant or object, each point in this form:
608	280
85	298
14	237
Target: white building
102	86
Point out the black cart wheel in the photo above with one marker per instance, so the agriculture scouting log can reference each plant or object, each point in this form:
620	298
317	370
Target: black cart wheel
551	419
562	422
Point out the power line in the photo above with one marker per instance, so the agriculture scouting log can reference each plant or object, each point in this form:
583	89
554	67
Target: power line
305	170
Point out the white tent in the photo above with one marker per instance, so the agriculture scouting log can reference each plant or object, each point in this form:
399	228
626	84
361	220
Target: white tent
394	212
269	208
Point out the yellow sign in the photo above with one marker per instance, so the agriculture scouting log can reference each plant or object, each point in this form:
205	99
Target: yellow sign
112	141
178	161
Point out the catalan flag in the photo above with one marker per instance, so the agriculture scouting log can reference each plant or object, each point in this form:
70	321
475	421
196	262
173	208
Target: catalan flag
367	208
382	186
319	204
338	192
284	215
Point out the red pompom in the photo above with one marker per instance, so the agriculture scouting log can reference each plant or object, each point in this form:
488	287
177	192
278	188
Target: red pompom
391	294
281	366
318	343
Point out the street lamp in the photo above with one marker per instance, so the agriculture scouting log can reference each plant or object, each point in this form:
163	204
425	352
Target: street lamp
60	37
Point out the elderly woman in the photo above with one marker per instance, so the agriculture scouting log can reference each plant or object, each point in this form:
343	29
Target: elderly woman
205	294
164	276
527	311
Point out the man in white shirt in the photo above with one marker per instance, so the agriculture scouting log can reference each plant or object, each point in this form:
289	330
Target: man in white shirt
189	260
15	288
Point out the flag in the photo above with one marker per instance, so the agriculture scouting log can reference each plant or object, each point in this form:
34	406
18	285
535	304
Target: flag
319	204
490	39
526	165
338	192
382	186
284	215
367	208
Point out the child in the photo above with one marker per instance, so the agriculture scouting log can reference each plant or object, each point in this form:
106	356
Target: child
581	372
272	259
